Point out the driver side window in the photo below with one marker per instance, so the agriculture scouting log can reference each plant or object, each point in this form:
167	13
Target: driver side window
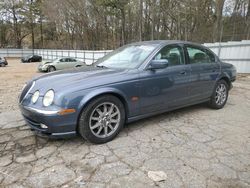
63	60
174	54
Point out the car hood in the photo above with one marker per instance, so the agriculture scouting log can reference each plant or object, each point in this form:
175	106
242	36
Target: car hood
78	78
45	62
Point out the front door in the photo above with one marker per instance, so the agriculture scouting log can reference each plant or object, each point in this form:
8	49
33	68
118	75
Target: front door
166	88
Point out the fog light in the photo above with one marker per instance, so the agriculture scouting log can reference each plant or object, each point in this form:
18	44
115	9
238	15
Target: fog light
43	126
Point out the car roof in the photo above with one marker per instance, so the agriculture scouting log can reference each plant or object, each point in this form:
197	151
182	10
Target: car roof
164	42
66	57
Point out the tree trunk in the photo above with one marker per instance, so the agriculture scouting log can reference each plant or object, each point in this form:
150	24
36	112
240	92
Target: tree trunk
41	31
32	27
218	20
140	20
248	21
123	39
152	20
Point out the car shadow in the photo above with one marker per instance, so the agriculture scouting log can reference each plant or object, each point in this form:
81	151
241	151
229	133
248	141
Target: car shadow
178	113
129	127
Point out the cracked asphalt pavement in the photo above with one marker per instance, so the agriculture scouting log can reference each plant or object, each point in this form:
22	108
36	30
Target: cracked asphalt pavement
194	147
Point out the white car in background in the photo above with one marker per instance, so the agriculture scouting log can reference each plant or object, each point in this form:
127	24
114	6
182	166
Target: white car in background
59	64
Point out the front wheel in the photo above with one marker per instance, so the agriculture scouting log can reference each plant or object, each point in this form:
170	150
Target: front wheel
220	95
102	119
51	69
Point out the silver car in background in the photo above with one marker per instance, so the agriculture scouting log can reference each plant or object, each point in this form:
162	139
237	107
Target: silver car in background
59	64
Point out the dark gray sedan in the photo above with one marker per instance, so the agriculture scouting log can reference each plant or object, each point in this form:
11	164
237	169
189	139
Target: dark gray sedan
3	62
133	82
31	58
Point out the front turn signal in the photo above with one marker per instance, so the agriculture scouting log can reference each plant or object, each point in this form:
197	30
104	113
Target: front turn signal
66	111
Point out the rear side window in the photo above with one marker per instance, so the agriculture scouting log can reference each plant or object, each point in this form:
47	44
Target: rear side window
199	55
172	53
72	60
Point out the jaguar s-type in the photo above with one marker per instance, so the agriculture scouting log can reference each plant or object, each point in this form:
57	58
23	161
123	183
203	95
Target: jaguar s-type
135	81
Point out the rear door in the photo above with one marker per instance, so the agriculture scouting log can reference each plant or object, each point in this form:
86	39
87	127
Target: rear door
204	72
61	64
73	62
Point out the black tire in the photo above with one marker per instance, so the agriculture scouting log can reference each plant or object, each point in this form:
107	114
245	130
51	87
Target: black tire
84	120
51	69
213	102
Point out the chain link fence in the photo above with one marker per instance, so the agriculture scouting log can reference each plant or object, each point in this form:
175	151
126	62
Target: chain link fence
234	52
88	57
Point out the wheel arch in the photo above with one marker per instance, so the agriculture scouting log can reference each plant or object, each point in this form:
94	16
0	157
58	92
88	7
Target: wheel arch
95	94
226	79
51	66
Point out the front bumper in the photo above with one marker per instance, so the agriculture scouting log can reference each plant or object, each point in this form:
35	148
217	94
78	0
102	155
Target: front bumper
42	69
58	126
24	60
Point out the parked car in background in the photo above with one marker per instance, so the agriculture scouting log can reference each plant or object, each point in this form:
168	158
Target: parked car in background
59	64
31	58
3	62
133	82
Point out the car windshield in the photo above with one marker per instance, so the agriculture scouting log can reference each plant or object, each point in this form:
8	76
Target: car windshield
127	57
28	56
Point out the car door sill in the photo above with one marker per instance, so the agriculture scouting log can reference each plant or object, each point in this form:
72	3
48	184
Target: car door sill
135	118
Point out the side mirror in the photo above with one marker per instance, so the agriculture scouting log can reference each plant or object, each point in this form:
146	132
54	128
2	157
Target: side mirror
158	64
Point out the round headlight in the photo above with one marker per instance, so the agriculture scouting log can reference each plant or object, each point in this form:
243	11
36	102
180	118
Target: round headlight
35	96
48	98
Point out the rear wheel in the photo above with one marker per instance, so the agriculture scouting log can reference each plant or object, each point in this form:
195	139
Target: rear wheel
102	119
220	95
51	69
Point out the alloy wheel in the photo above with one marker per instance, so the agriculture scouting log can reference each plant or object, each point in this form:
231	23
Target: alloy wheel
221	94
104	120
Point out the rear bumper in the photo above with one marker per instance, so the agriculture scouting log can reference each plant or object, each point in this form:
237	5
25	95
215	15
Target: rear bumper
57	126
231	82
230	86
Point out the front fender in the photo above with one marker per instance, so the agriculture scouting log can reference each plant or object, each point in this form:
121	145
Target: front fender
106	90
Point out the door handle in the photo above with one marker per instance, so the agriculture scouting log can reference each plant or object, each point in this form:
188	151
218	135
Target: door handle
183	72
